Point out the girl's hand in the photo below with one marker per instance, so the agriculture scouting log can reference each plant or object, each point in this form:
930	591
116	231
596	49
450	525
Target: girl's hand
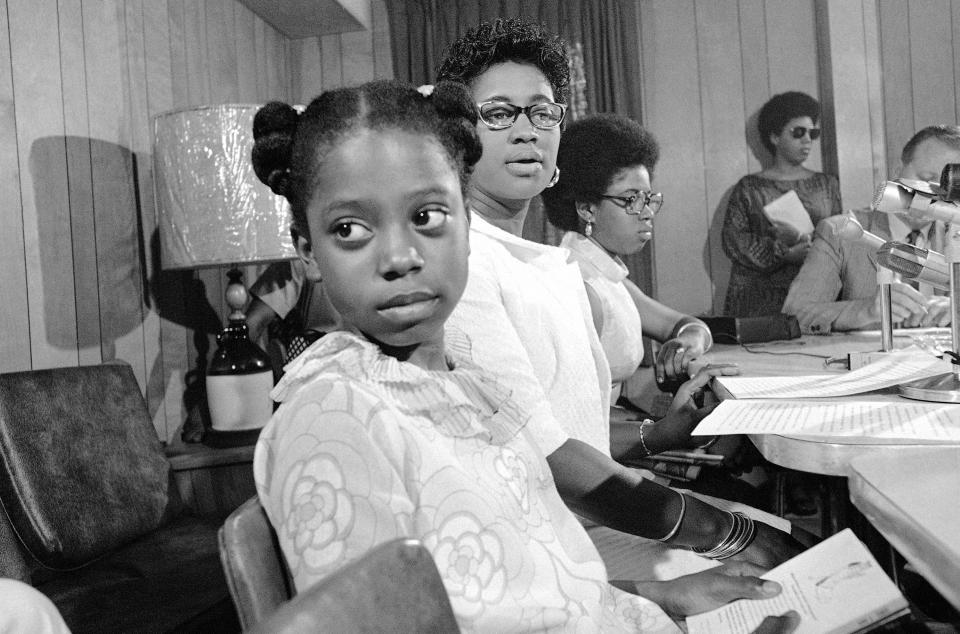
689	394
675	355
715	587
783	624
673	430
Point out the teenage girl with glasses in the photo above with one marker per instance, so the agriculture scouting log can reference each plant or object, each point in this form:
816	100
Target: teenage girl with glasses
606	205
766	256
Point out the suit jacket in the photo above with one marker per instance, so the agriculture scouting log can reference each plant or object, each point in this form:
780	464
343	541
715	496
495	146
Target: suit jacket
837	284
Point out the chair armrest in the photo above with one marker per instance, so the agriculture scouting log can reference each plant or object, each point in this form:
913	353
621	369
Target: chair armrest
395	587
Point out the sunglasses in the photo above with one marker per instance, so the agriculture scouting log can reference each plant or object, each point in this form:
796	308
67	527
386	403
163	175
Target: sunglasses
499	115
633	205
800	130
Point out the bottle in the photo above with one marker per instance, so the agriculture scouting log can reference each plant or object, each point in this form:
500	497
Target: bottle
239	378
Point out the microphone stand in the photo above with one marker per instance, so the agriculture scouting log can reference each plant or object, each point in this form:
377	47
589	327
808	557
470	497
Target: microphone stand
945	388
884	280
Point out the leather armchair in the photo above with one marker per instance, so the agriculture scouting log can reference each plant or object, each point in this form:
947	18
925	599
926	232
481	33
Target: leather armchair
91	516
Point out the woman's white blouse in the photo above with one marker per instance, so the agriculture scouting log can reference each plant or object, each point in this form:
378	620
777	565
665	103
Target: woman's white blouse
526	312
621	335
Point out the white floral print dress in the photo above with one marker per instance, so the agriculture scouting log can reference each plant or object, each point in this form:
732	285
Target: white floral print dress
365	449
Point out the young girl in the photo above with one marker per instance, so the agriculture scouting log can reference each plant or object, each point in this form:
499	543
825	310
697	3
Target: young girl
386	428
606	204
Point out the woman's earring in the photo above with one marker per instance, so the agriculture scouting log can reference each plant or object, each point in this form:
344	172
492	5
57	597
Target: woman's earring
588	230
555	178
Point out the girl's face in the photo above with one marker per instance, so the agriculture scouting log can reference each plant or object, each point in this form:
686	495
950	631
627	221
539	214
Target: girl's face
389	236
518	161
791	148
614	229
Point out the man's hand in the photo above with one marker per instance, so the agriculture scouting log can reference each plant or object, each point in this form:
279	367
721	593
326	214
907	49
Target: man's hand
908	306
939	312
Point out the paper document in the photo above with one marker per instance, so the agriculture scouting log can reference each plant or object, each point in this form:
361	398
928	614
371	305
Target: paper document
907	420
788	209
837	587
898	367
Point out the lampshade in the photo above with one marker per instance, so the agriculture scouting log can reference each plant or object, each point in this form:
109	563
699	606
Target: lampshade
211	208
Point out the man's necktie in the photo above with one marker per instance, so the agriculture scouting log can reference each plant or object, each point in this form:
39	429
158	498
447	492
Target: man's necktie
915	237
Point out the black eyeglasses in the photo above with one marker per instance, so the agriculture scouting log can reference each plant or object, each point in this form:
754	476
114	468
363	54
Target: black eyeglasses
798	132
499	115
634	205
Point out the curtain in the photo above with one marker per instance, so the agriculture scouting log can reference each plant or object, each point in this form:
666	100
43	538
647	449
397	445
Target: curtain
607	32
603	37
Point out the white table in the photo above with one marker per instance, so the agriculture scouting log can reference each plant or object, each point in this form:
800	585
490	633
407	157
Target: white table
910	492
914	502
806	356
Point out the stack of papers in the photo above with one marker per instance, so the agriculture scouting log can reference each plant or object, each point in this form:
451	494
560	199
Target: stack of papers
910	420
898	367
814	406
789	210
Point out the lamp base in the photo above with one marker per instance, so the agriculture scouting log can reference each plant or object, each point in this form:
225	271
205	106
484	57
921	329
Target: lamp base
942	388
239	380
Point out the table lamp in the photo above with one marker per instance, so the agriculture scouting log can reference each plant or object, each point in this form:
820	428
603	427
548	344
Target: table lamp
213	211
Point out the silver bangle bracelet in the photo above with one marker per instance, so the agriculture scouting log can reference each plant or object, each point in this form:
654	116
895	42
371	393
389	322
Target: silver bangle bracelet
697	324
643	443
740	536
676	527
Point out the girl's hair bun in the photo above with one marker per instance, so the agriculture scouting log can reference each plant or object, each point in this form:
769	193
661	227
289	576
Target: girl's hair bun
453	100
274	126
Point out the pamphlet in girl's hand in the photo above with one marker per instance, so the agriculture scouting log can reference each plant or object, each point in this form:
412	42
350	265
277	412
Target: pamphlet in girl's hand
837	587
788	209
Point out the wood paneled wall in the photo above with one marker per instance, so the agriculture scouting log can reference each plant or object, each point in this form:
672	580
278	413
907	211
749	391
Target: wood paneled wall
883	69
79	83
80	80
708	67
920	57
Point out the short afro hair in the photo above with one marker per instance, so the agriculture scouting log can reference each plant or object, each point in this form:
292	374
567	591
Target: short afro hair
780	110
593	150
508	40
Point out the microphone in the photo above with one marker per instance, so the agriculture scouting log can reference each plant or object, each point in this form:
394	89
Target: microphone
852	231
901	197
915	263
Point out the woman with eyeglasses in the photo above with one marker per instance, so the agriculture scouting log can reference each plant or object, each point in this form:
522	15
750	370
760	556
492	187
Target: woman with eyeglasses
528	319
765	255
606	206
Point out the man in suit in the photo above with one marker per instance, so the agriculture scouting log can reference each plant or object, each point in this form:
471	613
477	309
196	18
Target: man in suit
836	288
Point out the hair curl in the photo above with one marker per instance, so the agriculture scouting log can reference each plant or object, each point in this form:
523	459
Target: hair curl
780	110
289	148
949	135
593	149
508	40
